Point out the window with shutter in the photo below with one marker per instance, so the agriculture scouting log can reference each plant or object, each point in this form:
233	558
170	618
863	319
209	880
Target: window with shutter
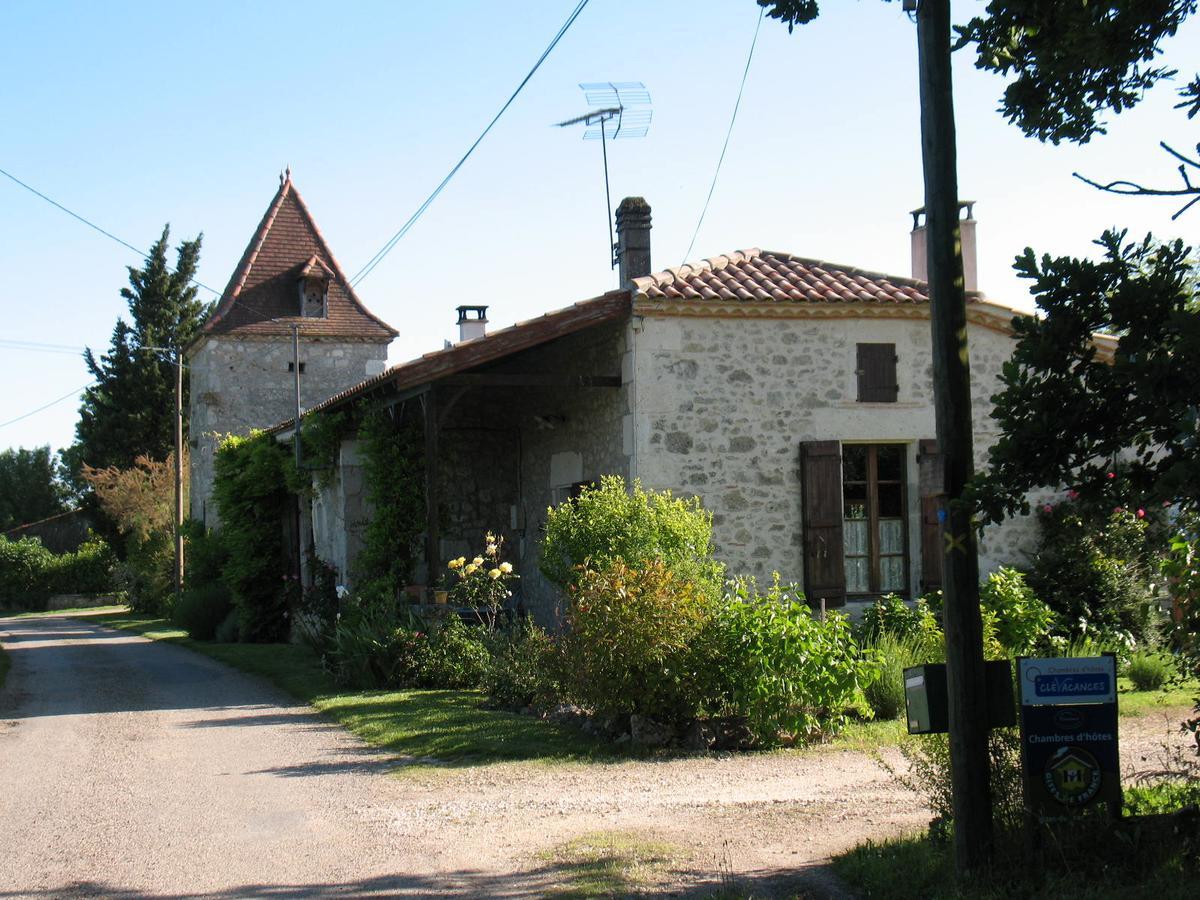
824	573
876	369
932	504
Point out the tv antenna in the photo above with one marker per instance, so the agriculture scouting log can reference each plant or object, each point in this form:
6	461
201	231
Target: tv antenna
623	112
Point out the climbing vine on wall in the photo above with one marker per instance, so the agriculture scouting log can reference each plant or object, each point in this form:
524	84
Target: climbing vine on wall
394	473
250	489
320	437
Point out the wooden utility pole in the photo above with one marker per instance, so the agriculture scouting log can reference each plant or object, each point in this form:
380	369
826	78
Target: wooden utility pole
178	475
297	531
952	394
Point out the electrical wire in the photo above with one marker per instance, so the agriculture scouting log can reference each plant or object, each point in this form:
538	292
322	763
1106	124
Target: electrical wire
73	393
93	225
395	239
34	347
728	134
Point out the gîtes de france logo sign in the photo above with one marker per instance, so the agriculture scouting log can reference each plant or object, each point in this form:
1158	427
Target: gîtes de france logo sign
1061	682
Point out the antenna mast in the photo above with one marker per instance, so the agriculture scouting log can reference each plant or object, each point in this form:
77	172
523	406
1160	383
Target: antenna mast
615	99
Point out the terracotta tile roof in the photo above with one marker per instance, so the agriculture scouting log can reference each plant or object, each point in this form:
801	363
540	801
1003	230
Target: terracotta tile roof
765	276
286	244
465	355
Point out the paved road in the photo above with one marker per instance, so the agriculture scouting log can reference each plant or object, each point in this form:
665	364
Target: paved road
130	768
133	769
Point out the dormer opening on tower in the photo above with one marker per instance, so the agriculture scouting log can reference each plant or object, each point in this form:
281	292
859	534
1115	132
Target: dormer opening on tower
313	285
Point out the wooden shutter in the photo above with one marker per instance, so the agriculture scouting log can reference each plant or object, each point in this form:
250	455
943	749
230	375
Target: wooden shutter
929	461
877	373
824	570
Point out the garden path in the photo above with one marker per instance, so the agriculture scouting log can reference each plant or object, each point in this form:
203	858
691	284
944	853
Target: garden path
132	768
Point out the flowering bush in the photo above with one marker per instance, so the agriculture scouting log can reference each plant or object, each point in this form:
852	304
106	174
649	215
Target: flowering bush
484	582
1096	568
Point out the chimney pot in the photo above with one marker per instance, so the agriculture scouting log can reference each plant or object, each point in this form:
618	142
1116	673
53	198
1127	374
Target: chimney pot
633	239
472	322
966	234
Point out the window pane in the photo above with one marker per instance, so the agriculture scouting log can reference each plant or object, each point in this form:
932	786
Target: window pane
891	573
854	463
891	536
854	501
855	538
890	462
891	504
856	575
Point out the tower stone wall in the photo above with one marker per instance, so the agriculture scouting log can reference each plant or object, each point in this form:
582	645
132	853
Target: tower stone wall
239	384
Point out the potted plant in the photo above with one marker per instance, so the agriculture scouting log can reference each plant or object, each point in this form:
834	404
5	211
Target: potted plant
441	590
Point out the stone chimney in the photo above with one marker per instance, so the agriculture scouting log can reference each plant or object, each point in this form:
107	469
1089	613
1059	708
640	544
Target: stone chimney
472	322
966	232
633	239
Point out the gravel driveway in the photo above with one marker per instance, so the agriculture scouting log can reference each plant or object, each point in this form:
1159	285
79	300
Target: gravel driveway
132	768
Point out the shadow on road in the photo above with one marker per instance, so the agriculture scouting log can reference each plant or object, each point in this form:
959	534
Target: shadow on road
62	668
812	882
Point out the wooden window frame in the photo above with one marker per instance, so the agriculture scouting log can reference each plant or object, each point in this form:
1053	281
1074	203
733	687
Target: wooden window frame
872	482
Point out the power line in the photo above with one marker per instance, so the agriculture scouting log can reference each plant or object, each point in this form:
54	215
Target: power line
36	347
395	239
73	393
93	225
728	133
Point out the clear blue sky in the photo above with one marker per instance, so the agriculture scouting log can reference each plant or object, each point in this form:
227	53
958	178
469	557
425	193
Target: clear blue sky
138	114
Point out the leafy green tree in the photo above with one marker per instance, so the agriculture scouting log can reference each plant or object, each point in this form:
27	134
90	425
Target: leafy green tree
1070	409
30	487
128	412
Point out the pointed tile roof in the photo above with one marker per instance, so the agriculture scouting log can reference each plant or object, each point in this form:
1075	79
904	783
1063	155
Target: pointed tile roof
262	298
765	276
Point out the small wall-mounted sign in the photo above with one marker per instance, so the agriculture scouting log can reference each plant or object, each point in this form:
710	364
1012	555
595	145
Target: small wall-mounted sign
1062	682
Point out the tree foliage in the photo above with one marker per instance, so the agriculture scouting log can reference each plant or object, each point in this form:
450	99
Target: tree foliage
128	412
140	501
1067	61
1068	412
30	488
1070	60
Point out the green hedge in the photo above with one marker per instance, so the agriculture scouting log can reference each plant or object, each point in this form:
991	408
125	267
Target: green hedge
30	574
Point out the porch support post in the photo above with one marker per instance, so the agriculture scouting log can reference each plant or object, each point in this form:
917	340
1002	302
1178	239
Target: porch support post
432	525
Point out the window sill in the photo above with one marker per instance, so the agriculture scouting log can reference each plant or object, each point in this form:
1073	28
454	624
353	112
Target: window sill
881	404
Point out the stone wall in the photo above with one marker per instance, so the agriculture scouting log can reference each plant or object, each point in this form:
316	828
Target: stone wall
239	384
722	405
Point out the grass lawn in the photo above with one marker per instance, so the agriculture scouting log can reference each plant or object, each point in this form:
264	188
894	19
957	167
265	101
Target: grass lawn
1124	864
443	726
1139	703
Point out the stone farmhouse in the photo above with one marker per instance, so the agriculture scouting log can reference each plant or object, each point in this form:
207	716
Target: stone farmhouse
794	396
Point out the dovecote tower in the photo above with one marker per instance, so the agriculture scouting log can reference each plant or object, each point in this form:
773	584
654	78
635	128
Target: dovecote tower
242	373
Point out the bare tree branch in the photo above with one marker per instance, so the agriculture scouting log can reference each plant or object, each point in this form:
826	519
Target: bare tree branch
1132	188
